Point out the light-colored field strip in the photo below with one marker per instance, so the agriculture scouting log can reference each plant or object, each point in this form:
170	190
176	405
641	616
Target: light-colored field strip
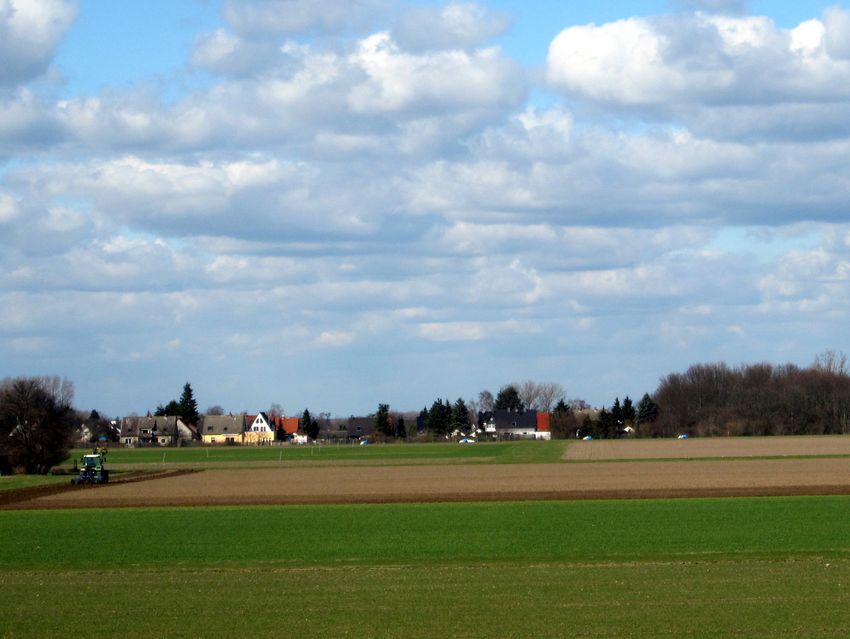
441	483
695	448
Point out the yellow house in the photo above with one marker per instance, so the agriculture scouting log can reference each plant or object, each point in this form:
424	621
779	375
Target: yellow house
223	430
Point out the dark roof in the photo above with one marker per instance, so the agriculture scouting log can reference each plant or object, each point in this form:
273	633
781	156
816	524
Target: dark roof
508	419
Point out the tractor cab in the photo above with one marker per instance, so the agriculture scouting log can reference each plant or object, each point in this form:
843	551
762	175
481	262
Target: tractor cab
91	469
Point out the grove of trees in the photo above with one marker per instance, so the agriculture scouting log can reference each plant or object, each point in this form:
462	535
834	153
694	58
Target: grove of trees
37	422
754	399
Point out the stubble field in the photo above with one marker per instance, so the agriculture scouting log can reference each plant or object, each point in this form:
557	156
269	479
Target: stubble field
527	550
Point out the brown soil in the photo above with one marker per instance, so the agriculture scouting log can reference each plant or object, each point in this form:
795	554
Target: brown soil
27	494
695	448
610	480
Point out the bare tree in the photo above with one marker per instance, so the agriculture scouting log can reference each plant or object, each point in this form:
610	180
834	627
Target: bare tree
527	392
215	410
831	362
486	401
548	395
37	421
275	410
540	396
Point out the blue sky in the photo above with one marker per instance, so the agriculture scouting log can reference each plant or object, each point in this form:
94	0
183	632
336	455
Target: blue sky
331	204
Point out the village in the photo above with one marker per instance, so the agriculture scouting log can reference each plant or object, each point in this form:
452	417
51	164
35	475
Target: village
263	429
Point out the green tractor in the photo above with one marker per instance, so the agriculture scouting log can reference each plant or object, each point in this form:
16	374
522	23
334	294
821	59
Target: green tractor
91	469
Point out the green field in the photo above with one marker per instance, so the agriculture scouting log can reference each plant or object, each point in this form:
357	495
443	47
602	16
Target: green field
14	482
759	567
488	452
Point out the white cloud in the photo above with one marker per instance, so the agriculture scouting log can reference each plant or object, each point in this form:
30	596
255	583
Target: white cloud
837	36
402	201
29	33
334	339
454	25
708	59
432	82
8	208
268	17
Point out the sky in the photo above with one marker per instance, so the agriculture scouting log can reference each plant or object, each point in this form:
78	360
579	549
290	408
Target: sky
330	204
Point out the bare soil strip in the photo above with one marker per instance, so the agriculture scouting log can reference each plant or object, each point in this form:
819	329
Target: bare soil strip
612	480
716	447
27	494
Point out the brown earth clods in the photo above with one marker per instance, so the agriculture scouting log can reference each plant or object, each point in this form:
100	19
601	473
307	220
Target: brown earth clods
607	480
714	447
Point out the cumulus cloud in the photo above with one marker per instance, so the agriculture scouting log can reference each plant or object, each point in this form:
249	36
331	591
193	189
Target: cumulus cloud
837	26
715	6
29	33
461	25
449	80
334	190
701	59
273	17
8	208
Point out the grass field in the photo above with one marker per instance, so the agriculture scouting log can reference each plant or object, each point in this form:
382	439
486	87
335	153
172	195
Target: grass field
15	482
489	452
765	567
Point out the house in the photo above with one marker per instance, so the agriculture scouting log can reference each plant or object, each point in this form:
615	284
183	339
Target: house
358	427
155	430
223	429
284	427
259	430
508	424
544	430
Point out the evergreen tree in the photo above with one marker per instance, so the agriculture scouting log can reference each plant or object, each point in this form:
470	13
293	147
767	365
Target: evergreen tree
171	408
188	407
605	427
647	410
617	418
628	411
308	426
439	417
508	399
460	416
400	428
382	420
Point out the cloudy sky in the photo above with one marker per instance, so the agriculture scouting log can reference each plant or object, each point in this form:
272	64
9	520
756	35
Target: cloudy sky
335	203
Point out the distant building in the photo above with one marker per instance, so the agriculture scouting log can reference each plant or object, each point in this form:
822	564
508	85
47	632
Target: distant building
508	424
155	430
223	429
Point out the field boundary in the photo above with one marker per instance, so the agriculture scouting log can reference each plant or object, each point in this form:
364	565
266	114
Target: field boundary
32	503
9	498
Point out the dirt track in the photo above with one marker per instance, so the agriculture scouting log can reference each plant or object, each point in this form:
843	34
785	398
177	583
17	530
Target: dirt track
470	483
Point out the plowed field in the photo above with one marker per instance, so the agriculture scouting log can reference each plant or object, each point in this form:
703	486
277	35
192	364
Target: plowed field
716	447
470	483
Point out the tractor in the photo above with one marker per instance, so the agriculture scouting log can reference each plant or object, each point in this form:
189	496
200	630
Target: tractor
91	469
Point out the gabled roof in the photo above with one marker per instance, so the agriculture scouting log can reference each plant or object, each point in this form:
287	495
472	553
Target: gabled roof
160	425
289	425
223	425
508	419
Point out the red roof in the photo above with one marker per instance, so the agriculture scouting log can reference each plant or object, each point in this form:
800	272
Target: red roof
290	425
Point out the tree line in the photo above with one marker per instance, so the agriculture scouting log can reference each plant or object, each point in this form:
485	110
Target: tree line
755	399
38	421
